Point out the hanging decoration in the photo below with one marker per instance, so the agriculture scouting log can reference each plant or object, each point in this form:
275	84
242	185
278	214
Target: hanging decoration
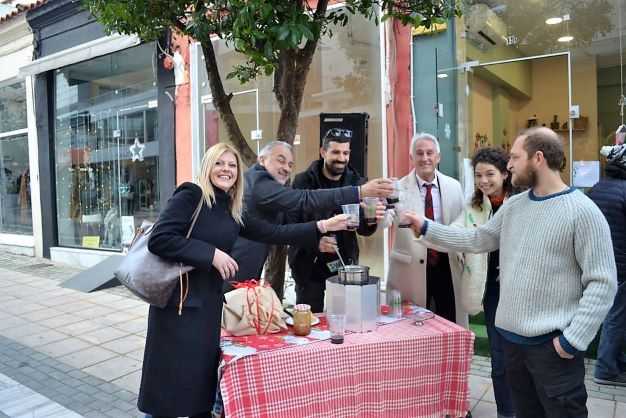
136	150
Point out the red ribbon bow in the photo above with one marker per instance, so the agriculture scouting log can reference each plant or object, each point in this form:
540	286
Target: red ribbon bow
252	298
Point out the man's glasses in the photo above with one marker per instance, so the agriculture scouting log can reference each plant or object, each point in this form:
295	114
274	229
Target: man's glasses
338	132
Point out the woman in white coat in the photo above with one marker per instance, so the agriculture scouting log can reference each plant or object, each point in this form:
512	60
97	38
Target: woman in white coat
480	286
408	258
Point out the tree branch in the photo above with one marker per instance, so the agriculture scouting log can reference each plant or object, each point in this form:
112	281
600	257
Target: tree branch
221	100
318	16
279	74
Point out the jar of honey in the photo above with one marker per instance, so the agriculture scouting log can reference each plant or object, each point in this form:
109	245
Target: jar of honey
302	319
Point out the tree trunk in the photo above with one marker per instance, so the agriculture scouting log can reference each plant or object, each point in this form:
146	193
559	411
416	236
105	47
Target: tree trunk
289	82
275	269
221	100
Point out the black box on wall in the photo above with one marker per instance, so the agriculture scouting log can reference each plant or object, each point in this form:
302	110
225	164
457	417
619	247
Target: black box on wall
358	124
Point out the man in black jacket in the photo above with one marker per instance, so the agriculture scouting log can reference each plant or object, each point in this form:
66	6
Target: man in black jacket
311	267
610	196
267	197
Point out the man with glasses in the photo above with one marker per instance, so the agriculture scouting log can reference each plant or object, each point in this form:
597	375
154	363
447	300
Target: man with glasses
311	267
267	196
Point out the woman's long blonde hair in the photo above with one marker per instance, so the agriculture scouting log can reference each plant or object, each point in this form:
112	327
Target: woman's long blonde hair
204	180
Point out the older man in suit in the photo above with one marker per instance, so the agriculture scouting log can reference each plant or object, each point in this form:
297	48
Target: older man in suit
424	276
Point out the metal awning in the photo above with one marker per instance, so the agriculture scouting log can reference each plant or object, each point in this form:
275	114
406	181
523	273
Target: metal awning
96	48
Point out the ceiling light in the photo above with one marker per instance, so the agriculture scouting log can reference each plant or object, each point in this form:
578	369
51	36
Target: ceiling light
566	38
554	20
442	75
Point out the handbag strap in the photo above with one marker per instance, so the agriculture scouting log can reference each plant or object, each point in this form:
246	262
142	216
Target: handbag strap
194	218
184	293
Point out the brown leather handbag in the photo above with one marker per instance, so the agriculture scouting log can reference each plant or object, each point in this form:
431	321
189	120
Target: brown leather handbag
150	277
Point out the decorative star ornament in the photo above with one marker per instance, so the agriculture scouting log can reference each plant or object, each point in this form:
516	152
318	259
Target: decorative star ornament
136	150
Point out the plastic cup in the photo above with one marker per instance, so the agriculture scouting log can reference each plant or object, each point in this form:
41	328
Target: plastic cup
337	327
370	209
394	197
353	211
403	221
394	300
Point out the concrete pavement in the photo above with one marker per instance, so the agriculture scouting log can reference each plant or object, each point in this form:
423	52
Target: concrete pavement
68	354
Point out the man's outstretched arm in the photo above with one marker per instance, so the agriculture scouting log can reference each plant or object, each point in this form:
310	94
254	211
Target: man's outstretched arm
483	239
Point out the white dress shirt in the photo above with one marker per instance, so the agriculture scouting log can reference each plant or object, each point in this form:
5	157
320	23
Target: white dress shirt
434	191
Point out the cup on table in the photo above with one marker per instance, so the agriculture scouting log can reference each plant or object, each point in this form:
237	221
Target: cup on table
337	327
353	211
370	209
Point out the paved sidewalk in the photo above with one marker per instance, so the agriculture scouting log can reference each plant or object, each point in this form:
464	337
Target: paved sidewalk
66	354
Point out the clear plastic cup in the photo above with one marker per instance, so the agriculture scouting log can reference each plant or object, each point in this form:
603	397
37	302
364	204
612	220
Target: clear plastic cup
394	197
337	327
370	209
401	210
353	211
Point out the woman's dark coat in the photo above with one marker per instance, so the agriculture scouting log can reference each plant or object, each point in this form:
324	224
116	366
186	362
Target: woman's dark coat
610	196
182	353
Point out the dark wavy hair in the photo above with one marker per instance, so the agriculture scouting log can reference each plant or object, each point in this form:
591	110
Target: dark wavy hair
499	159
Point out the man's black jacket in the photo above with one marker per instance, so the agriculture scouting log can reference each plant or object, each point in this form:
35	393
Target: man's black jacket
267	199
306	262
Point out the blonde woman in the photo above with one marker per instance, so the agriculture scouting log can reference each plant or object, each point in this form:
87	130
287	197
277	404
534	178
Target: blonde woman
179	376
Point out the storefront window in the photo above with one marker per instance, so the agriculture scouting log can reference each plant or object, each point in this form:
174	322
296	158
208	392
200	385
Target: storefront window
106	148
15	204
524	63
344	77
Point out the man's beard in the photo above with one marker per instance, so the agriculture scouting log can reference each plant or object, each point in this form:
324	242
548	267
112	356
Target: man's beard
335	169
529	179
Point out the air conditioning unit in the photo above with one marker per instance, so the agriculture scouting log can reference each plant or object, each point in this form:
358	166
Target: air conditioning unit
484	27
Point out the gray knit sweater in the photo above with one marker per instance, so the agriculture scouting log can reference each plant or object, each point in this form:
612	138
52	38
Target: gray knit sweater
557	267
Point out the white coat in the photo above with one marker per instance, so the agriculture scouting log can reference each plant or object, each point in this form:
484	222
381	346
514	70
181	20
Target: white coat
407	264
473	278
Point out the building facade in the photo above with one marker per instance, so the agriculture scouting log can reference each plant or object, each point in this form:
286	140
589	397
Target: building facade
508	65
113	124
20	230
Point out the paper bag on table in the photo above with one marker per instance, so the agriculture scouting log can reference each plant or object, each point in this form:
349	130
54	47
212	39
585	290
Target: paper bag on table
252	308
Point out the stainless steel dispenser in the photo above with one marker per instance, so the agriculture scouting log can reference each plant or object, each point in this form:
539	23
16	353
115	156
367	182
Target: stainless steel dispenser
357	294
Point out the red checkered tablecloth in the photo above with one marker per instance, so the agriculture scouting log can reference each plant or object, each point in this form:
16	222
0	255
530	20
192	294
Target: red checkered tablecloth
400	370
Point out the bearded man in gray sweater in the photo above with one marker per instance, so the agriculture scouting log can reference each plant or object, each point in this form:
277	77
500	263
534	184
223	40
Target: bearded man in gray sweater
557	277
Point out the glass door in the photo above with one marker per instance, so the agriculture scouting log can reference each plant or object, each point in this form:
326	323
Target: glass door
498	99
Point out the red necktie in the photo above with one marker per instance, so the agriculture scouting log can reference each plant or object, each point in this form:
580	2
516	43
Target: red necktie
429	211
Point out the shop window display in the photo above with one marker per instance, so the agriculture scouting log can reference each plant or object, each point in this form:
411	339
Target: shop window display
15	202
106	149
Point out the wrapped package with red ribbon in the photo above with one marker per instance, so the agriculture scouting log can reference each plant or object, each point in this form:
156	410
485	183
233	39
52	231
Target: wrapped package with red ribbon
252	308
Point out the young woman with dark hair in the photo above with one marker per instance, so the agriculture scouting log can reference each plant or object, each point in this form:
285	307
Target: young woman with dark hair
480	286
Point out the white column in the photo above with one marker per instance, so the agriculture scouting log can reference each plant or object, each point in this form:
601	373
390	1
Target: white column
197	141
384	87
33	156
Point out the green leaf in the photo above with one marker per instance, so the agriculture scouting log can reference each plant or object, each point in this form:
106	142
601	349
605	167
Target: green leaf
307	33
283	33
295	37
